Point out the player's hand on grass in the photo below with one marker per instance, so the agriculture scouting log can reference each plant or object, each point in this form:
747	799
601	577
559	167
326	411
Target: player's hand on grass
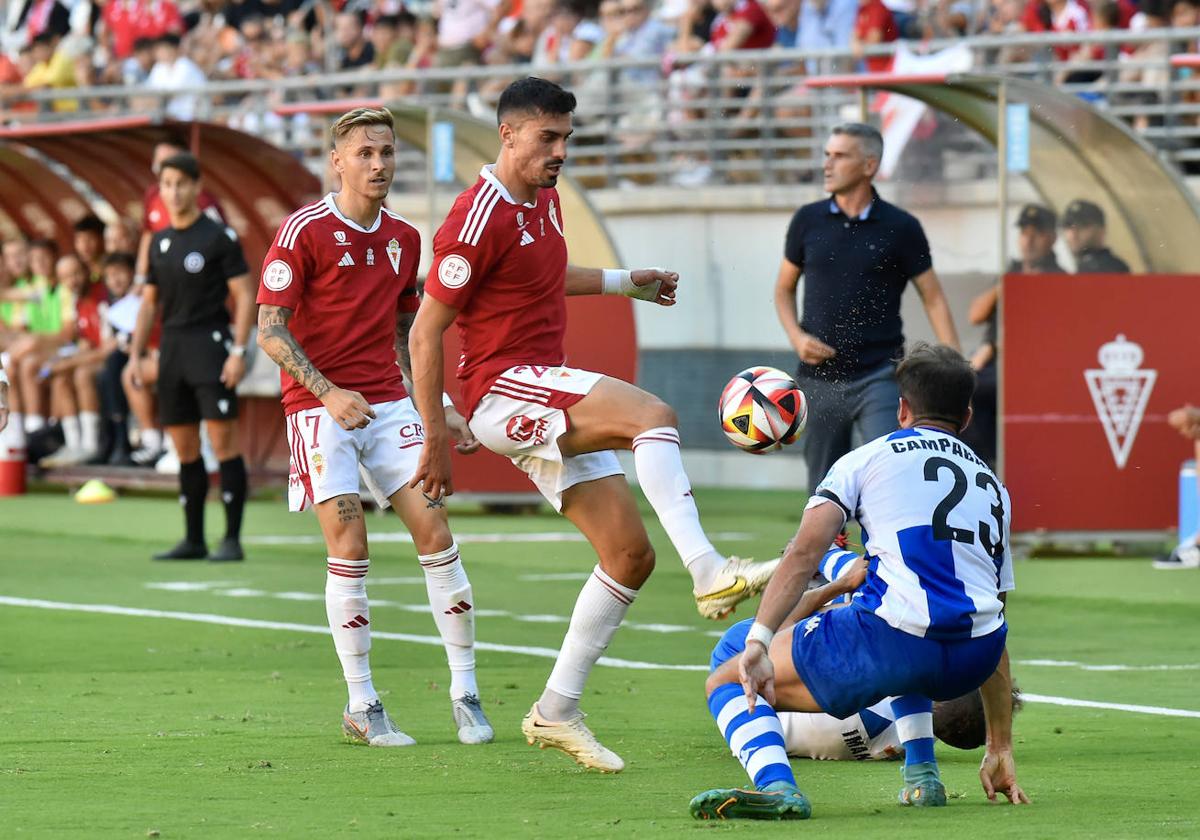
465	441
757	674
813	351
433	471
998	773
649	278
232	371
349	409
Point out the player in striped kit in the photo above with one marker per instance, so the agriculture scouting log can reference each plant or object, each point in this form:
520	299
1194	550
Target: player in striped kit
500	270
337	298
928	623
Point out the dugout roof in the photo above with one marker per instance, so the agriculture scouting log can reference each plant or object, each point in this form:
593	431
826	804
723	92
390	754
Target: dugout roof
256	183
1076	151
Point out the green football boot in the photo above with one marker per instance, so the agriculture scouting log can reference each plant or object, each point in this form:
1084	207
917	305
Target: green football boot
923	786
776	801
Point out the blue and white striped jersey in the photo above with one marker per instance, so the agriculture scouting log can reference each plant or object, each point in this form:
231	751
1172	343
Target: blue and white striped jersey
935	522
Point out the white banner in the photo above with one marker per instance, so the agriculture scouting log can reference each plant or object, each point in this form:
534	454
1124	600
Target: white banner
900	114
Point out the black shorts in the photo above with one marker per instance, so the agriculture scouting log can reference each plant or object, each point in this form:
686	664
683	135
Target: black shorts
189	377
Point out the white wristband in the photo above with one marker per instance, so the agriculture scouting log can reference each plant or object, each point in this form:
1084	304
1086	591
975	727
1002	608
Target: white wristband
446	401
615	281
760	633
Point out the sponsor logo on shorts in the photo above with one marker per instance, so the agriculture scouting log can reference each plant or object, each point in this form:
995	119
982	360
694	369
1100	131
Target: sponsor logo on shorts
454	272
811	625
411	434
524	429
277	276
193	263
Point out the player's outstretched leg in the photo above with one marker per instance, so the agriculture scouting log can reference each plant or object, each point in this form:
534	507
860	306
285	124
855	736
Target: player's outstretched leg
718	583
452	602
756	740
364	720
914	724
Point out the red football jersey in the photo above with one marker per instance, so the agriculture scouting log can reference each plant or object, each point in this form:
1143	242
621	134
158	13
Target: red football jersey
345	285
762	31
154	212
503	265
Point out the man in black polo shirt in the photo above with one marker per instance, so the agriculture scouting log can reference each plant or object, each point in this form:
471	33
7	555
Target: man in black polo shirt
1037	231
195	264
857	253
1084	231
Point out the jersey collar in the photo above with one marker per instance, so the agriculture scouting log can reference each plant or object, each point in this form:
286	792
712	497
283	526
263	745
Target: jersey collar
352	224
487	174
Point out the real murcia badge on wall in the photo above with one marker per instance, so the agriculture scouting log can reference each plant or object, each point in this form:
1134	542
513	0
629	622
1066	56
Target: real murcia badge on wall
393	254
1120	391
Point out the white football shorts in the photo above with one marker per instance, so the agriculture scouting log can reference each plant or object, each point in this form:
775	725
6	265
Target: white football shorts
327	460
522	416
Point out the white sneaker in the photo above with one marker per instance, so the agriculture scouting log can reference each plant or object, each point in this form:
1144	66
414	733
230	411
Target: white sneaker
738	580
473	725
373	727
65	457
168	464
572	737
1186	555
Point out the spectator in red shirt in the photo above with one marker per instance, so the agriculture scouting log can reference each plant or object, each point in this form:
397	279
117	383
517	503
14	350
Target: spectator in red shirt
874	25
129	20
741	25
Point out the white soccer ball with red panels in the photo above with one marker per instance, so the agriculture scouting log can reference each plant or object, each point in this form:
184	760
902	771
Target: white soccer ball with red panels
762	410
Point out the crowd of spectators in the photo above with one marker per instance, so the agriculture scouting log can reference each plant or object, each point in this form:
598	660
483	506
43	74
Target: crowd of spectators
167	45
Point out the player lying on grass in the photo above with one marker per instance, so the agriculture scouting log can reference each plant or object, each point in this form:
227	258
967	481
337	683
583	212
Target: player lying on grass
927	624
869	734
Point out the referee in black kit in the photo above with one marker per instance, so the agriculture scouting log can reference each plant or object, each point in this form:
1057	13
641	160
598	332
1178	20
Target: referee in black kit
195	264
858	253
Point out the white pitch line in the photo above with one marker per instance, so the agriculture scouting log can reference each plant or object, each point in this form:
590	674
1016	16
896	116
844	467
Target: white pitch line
1083	666
542	652
1116	707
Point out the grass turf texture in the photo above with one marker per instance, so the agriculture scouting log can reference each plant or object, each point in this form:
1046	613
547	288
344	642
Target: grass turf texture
115	726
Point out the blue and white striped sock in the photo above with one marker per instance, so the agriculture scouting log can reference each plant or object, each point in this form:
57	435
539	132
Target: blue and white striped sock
756	740
834	564
914	726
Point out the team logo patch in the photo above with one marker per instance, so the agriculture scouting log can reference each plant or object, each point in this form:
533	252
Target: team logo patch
340	237
223	406
277	276
317	461
193	263
393	254
164	244
1120	390
553	213
523	429
454	272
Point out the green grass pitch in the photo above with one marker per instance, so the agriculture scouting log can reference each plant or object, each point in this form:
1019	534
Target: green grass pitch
132	726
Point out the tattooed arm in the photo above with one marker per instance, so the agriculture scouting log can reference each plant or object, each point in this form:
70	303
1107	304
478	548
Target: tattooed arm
348	408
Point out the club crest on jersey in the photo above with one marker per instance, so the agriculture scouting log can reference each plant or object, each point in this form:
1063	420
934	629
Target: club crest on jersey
552	211
454	272
393	254
370	256
193	263
339	236
164	244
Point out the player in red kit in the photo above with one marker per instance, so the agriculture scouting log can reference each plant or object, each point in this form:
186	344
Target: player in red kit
337	297
500	269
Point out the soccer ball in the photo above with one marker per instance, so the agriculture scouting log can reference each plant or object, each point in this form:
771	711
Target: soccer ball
762	410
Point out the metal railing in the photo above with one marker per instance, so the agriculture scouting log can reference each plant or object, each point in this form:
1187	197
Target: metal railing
741	117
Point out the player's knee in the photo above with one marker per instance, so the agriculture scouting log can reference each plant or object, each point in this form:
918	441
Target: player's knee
658	414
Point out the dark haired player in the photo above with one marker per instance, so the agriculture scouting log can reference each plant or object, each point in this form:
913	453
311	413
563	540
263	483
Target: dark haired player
927	624
500	269
195	264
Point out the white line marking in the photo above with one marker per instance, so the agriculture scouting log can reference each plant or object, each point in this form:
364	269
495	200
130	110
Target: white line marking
462	539
542	652
1083	666
559	576
1117	707
259	624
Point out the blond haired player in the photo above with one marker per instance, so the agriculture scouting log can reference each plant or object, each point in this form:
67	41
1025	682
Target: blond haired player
337	297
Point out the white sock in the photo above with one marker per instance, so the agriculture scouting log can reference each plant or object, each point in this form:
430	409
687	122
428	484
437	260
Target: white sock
89	429
660	473
452	604
71	432
599	610
14	433
34	423
151	439
349	621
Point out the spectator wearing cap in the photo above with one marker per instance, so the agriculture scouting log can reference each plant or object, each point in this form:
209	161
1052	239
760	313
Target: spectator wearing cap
1084	231
1037	232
